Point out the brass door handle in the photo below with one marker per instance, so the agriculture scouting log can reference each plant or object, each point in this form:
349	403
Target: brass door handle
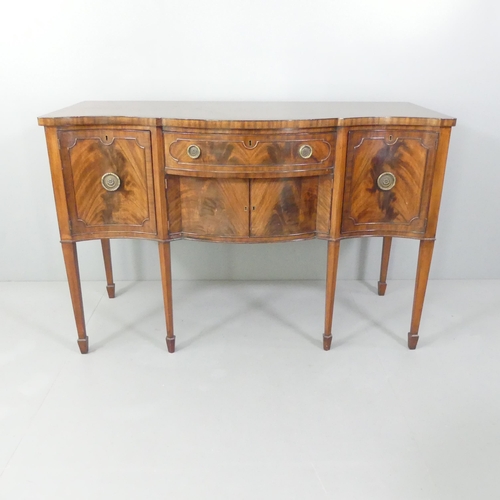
386	181
110	181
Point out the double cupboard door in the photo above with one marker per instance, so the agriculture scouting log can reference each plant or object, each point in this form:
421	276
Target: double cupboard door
239	208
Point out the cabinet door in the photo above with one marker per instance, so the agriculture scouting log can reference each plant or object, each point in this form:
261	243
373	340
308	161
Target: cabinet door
201	207
283	207
108	176
388	180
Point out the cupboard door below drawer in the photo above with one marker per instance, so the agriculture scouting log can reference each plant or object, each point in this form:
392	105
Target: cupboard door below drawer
210	207
388	181
108	177
283	207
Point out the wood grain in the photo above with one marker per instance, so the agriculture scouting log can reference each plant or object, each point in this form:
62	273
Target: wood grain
73	273
250	184
324	206
241	155
159	185
214	207
436	188
166	280
331	283
58	186
244	115
174	207
338	184
407	154
283	207
89	154
106	253
384	265
423	268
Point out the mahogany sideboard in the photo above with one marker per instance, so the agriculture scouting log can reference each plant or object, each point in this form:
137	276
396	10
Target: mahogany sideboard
246	172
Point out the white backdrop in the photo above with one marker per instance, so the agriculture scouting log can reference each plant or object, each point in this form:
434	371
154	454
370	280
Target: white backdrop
441	54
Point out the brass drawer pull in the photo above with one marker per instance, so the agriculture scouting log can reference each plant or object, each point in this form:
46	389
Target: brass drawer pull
110	182
193	151
306	151
386	181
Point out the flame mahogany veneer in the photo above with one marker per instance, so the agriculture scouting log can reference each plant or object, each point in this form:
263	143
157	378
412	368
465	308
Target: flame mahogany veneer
246	172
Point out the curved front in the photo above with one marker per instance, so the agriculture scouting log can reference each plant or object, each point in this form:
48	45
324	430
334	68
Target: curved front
252	153
246	173
249	210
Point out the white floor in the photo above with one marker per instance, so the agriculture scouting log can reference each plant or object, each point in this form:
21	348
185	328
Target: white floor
250	406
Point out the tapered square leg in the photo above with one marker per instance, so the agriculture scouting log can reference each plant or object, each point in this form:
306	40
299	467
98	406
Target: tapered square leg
75	289
166	279
331	282
106	253
423	268
386	252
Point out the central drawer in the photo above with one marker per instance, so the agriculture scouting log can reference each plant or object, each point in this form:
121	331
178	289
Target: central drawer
247	154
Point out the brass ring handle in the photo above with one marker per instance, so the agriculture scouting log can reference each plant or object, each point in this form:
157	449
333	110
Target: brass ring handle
306	151
110	181
193	151
386	181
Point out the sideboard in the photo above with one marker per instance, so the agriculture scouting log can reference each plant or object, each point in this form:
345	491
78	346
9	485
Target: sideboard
246	172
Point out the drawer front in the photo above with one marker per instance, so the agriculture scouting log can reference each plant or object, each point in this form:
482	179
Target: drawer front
108	177
297	154
388	181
